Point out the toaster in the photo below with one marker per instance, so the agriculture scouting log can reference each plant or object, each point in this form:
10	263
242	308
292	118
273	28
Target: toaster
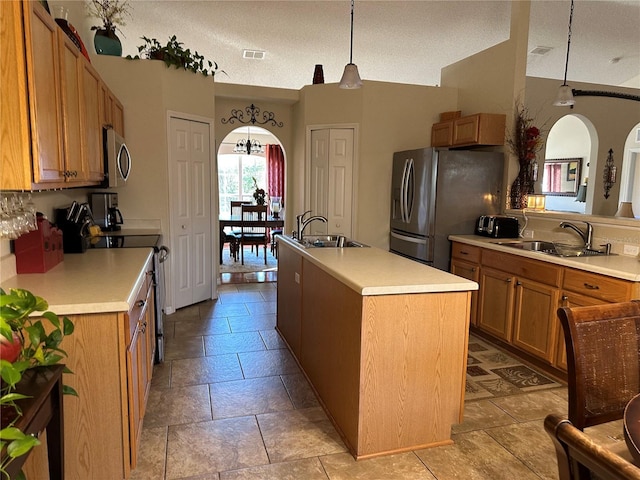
497	226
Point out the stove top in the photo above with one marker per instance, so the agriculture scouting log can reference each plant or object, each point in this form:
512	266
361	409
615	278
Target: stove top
127	241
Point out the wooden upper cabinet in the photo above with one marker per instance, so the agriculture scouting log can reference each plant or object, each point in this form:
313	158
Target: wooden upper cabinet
478	129
72	109
92	122
51	122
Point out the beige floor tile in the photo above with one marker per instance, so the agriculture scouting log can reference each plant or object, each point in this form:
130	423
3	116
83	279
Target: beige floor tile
215	446
151	456
177	406
233	343
161	377
267	363
184	347
481	414
474	456
307	469
196	371
299	434
403	466
218	310
186	313
199	327
168	328
272	339
532	406
299	390
263	308
252	324
248	397
531	444
227	298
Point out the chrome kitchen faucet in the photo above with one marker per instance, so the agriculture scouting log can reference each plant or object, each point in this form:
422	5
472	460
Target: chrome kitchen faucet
301	223
587	235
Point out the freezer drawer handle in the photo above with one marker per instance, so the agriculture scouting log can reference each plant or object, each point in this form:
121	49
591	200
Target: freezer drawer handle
408	239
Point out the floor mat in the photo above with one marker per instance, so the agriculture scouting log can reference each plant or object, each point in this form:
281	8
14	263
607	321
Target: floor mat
493	373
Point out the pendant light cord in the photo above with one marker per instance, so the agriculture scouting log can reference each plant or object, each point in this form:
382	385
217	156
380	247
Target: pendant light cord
566	63
351	48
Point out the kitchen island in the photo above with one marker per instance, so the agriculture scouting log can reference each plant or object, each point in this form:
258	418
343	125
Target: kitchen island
382	340
107	295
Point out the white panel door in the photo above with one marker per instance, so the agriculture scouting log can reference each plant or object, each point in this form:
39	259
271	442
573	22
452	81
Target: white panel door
319	180
331	180
190	186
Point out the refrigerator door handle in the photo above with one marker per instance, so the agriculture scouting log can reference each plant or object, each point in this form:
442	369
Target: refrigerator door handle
406	238
409	189
403	192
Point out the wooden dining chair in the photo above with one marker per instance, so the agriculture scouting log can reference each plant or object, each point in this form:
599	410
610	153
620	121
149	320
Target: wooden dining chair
603	360
580	458
253	229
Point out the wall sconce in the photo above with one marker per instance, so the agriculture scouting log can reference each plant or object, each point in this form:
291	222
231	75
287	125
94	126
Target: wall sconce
609	175
536	202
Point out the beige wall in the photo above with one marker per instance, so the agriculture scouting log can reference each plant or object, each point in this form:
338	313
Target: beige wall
612	120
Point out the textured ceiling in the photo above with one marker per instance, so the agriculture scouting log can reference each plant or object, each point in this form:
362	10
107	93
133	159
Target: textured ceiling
394	41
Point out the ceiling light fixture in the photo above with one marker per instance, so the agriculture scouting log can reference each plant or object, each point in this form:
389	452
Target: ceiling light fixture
565	94
351	77
247	146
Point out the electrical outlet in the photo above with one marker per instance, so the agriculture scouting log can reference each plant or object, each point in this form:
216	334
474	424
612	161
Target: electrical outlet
296	277
527	234
631	250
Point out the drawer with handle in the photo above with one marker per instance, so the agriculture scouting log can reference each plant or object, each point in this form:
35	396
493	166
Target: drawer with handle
465	252
597	286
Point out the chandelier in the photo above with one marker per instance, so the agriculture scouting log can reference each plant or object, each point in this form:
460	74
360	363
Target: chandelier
248	146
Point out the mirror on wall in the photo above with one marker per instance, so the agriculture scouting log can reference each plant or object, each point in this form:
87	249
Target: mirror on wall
561	176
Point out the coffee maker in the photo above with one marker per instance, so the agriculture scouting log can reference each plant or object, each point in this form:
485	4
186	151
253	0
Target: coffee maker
105	210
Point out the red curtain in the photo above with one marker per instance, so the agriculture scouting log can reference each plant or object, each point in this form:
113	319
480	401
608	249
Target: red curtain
275	171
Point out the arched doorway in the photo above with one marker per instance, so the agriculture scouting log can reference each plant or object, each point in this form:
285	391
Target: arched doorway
248	157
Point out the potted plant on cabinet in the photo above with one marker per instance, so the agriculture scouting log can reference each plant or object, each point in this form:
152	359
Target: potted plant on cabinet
25	344
174	54
113	14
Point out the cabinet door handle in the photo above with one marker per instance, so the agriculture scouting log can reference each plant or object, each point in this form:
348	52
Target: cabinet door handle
565	298
140	303
463	252
591	287
473	269
509	280
518	283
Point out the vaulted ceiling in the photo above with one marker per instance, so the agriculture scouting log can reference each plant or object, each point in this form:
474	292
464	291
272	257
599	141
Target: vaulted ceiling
394	41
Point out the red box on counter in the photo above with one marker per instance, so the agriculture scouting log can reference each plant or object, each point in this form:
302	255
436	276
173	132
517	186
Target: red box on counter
40	250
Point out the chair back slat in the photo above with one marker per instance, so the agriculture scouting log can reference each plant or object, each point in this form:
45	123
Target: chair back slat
603	360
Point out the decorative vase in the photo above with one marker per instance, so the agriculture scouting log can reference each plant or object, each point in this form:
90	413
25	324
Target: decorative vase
106	42
521	188
318	75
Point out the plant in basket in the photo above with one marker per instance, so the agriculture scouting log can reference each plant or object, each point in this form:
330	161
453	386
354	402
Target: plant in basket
25	344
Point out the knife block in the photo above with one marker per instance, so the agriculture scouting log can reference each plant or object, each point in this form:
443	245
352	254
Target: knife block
74	239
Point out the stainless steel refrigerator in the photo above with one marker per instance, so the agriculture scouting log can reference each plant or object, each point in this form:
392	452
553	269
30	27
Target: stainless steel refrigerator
436	193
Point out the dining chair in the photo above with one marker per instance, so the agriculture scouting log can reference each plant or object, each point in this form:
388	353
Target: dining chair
253	229
603	360
580	458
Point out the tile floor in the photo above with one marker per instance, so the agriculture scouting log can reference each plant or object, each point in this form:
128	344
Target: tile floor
230	403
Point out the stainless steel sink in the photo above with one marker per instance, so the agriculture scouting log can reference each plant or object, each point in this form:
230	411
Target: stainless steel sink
330	241
550	249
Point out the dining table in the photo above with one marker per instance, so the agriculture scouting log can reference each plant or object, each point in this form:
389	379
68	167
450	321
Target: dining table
229	220
631	423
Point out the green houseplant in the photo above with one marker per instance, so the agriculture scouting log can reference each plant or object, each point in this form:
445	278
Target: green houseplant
25	344
174	54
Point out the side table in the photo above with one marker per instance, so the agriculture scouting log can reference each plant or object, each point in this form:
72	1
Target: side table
42	410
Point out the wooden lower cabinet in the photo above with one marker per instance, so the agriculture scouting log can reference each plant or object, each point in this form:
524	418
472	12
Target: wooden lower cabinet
465	262
495	310
289	297
112	374
389	370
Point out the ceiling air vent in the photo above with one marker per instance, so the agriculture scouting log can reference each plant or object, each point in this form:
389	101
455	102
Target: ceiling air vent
253	54
540	51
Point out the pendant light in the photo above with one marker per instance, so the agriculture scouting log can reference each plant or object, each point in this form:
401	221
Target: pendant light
351	77
565	94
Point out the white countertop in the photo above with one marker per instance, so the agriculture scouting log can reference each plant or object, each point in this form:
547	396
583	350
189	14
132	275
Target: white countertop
97	281
372	271
619	266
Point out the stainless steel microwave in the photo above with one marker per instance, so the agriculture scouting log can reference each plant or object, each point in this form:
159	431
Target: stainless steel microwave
117	159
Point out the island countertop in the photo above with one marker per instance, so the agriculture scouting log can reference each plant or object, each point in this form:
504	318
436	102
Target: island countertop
373	271
623	267
97	281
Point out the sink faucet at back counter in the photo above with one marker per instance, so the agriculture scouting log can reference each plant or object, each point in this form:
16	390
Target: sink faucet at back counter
587	235
301	223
